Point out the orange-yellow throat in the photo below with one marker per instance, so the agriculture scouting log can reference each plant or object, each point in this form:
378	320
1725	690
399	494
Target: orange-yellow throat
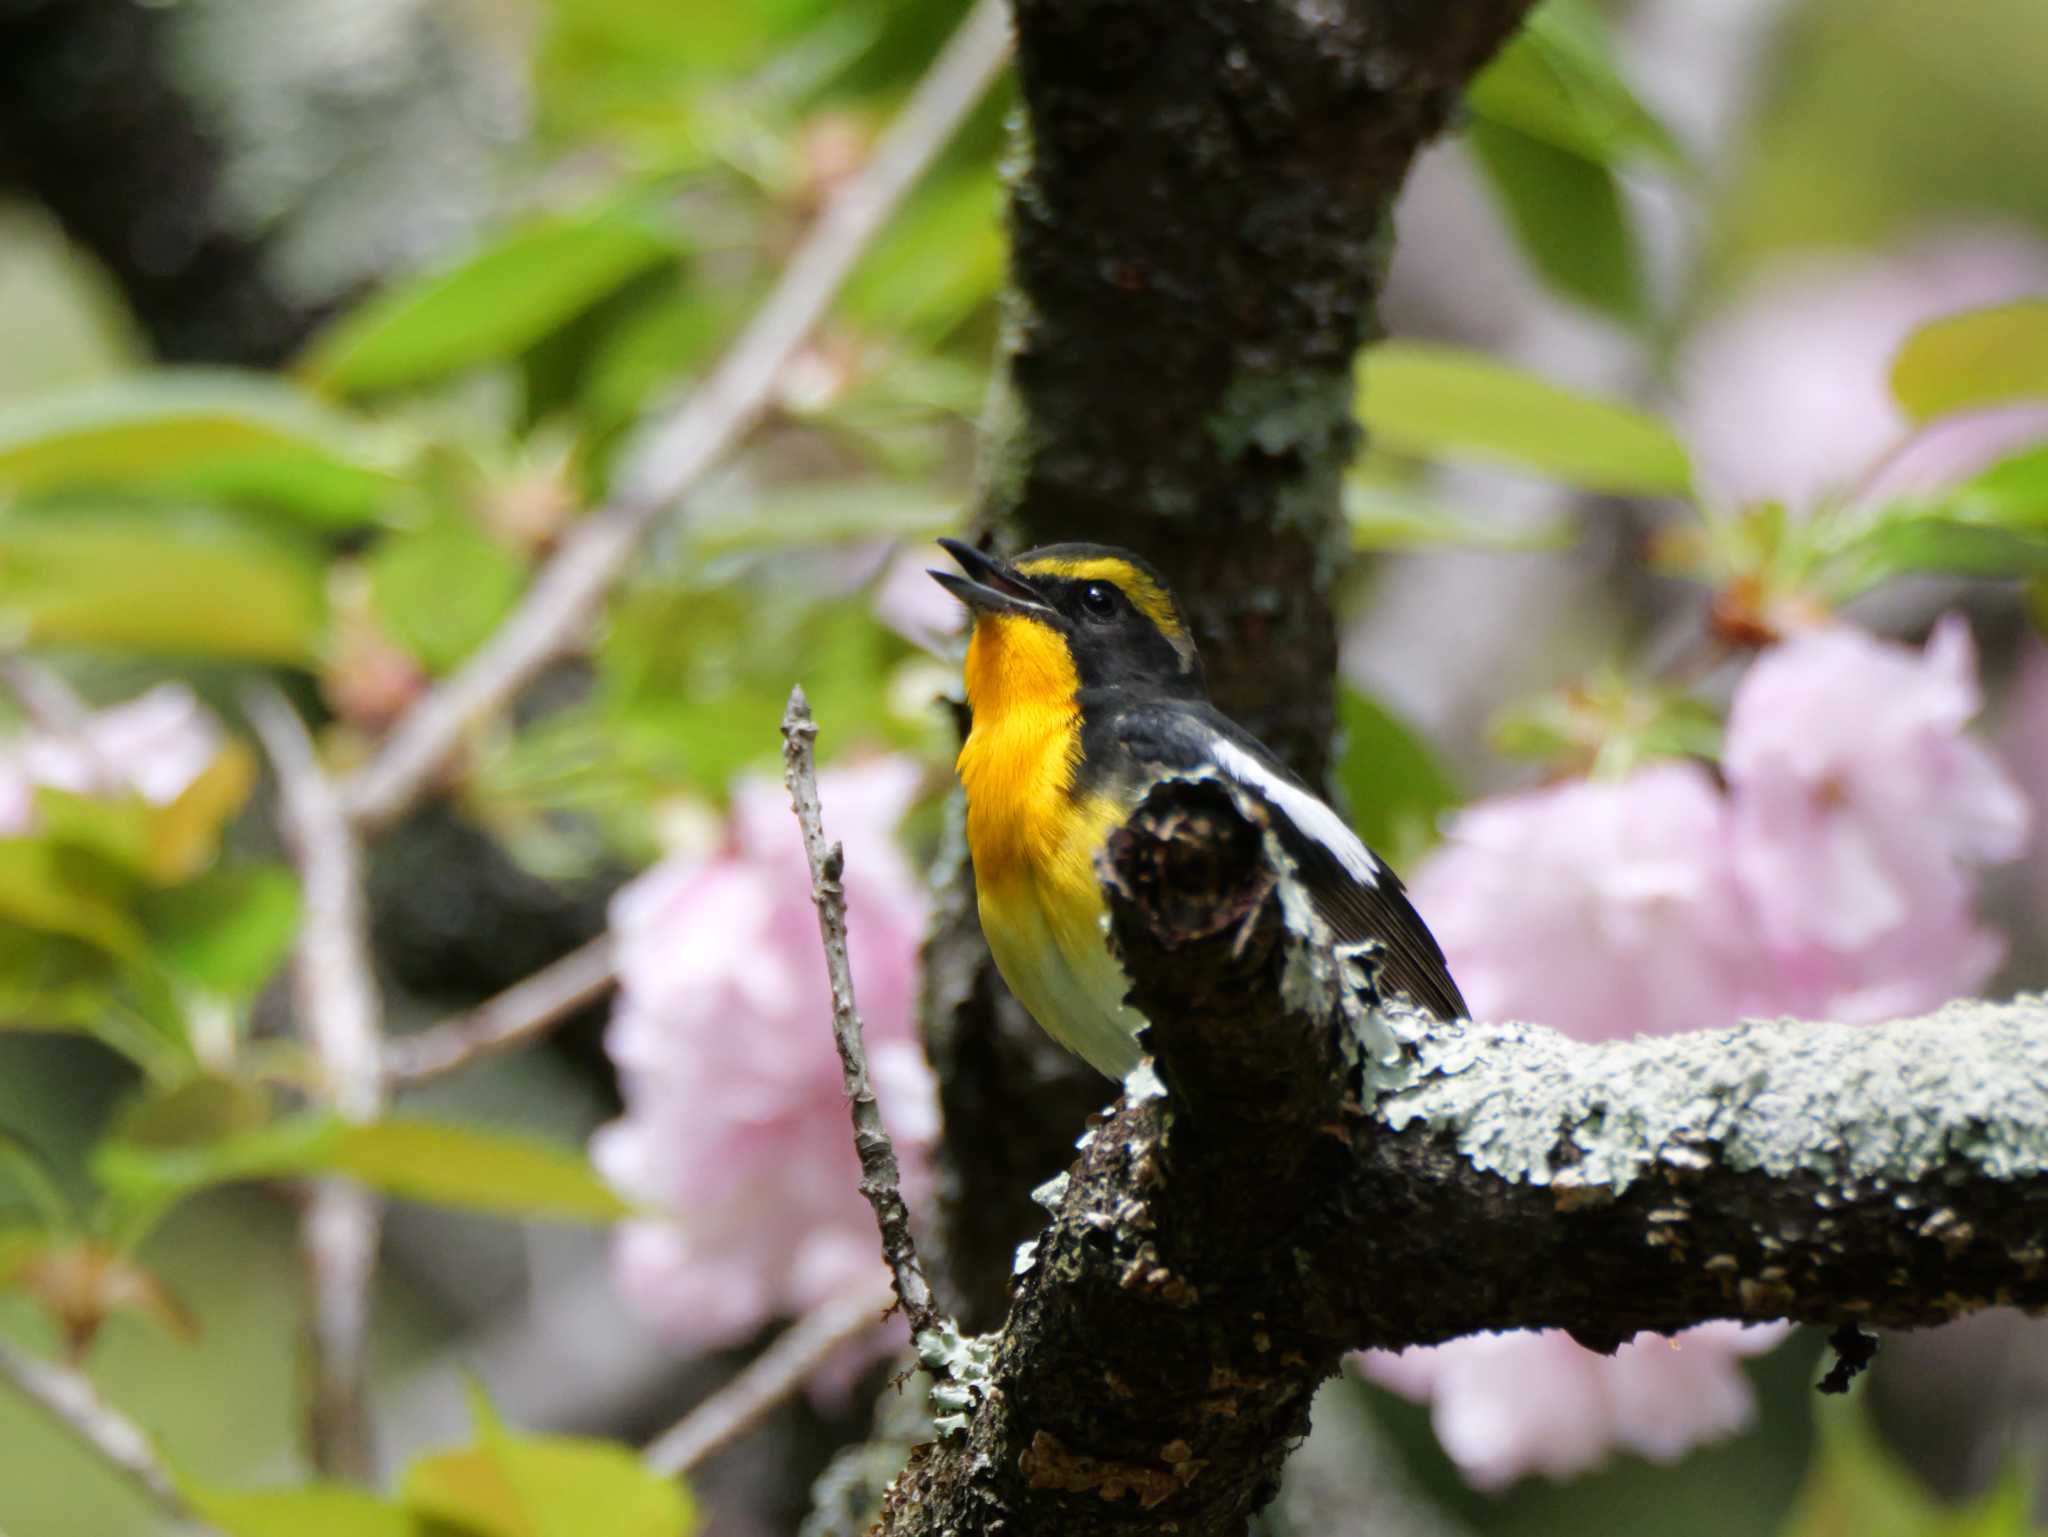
1034	840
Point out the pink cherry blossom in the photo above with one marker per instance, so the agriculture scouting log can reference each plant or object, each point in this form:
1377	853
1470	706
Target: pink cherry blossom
1862	810
1601	908
154	745
1527	1401
1834	877
736	1125
1784	395
2024	744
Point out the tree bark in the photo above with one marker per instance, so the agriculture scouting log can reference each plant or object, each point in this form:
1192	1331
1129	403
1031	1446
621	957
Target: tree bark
243	168
1315	1175
1198	222
93	124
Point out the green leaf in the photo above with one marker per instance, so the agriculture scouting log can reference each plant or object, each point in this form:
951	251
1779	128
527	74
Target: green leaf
659	341
146	1174
312	1510
501	301
689	676
25	1170
50	983
200	1113
520	1485
1556	82
829	513
227	931
1394	787
433	1162
1937	542
162	844
21	1246
198	433
121	833
2012	492
125	579
1386	516
57	888
1994	524
185	834
444	1164
1974	361
1567	215
1607	725
1439	402
443	587
939	260
113	828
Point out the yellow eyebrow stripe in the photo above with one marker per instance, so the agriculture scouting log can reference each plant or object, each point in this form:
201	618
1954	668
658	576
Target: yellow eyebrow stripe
1149	596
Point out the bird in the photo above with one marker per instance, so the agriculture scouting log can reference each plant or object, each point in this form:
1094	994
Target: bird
1084	689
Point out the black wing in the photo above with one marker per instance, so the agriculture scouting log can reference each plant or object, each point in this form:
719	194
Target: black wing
1353	889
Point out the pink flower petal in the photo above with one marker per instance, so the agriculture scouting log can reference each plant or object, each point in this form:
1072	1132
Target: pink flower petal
735	1114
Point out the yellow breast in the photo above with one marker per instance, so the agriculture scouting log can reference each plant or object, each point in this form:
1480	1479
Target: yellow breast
1021	755
1034	841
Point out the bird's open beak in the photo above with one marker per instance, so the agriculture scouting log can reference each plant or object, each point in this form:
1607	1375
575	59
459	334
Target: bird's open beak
990	587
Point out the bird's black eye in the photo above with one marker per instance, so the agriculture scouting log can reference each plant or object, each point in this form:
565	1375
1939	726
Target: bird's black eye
1098	600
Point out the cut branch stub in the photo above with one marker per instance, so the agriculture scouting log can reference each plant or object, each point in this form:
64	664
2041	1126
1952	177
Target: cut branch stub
1190	865
1193	893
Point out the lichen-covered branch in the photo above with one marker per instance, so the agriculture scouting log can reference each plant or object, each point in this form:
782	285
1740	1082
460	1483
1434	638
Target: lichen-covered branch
1321	1175
1889	1174
1198	222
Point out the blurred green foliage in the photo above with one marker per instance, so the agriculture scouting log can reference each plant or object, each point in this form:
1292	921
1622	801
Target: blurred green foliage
1554	126
1437	402
509	1484
361	523
1972	362
1855	1488
1878	117
1392	785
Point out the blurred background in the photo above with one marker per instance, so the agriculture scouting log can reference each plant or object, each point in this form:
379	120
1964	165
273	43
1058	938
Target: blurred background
323	322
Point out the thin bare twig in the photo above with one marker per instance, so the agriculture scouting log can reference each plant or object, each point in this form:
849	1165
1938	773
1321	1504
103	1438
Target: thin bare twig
521	1014
559	606
70	1398
772	1376
335	994
880	1180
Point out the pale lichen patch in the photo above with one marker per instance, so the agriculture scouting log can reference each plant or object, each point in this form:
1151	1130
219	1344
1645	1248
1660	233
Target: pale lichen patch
1872	1104
961	1366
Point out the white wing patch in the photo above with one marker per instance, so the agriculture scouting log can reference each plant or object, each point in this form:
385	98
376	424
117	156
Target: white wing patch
1306	811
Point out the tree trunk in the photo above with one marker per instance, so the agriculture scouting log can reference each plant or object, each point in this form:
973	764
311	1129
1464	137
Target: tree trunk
1199	222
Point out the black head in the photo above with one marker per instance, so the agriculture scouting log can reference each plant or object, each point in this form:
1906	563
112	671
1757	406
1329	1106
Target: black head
1120	623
